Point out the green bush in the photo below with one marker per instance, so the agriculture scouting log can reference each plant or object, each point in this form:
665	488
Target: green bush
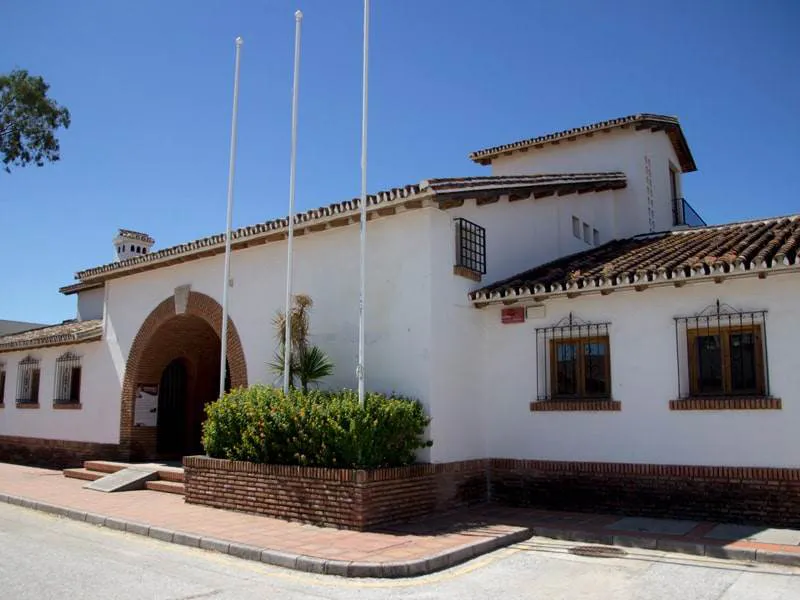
319	429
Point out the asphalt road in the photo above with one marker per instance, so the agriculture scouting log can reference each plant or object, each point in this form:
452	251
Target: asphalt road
44	557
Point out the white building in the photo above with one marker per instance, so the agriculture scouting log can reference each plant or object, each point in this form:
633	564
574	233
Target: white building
568	308
7	327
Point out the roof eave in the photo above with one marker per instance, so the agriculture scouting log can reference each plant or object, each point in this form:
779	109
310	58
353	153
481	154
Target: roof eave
570	291
51	342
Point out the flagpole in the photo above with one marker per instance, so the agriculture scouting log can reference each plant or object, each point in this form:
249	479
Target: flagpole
231	171
287	346
363	219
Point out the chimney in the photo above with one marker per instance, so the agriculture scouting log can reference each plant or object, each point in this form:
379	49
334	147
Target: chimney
131	244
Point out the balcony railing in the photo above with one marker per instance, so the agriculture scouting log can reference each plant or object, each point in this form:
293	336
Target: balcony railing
684	214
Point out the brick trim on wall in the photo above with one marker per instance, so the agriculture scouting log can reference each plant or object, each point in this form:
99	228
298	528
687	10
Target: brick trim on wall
56	454
347	498
356	499
727	403
198	305
757	495
575	405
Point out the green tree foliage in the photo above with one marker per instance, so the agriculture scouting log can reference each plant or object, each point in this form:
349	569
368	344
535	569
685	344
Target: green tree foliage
308	364
28	121
319	429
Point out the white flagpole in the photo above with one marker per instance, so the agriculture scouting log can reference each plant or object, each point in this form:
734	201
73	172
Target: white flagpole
363	219
231	171
287	352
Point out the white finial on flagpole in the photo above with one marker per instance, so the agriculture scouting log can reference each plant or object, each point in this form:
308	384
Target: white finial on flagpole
287	346
231	172
363	220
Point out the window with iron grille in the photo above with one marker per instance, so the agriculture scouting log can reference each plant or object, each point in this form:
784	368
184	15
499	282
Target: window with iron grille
28	381
573	360
722	352
470	246
2	383
67	384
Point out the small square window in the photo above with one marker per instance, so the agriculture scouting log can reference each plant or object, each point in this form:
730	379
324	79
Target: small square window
581	368
576	227
586	234
726	361
596	237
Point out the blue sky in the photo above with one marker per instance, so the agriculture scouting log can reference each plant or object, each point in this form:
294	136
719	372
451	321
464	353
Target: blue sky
149	85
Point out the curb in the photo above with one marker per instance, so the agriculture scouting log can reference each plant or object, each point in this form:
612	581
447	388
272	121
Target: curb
696	548
297	562
411	568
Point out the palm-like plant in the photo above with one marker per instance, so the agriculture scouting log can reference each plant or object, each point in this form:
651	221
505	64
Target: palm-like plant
309	364
313	365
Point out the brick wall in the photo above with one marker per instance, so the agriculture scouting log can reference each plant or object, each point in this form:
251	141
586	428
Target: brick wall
350	499
55	454
728	494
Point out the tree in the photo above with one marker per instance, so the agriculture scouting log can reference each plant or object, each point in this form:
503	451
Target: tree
309	364
28	121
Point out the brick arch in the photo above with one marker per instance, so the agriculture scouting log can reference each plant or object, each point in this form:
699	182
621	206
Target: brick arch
199	307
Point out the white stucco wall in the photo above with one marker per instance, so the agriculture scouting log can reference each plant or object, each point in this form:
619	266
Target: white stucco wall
326	268
618	150
90	304
526	233
644	379
96	421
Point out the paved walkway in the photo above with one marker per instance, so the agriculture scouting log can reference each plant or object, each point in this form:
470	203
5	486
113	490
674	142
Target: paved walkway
402	550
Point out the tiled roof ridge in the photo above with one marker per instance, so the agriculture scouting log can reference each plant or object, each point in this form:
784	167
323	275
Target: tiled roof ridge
486	154
425	188
669	256
53	335
272	225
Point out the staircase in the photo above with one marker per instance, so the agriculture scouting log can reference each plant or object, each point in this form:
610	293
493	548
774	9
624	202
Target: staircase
170	479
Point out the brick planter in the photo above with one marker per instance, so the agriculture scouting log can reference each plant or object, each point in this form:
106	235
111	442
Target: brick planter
346	498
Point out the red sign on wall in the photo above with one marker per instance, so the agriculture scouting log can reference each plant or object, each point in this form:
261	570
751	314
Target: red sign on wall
513	315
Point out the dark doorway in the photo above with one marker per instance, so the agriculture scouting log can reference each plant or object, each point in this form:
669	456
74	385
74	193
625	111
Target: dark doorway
172	400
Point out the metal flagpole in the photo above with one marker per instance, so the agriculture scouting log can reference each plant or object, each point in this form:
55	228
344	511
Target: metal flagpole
287	347
231	171
363	219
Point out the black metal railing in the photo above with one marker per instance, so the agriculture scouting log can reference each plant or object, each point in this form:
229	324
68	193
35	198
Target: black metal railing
470	246
67	383
684	214
28	381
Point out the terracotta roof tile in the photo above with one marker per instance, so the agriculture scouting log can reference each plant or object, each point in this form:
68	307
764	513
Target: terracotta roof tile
439	190
642	121
707	251
70	332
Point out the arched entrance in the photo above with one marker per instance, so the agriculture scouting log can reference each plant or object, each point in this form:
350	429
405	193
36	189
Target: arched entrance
175	356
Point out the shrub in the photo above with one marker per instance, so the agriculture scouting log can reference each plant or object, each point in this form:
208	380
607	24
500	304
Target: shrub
319	429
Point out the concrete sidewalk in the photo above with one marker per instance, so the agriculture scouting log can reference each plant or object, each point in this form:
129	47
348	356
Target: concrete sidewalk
400	551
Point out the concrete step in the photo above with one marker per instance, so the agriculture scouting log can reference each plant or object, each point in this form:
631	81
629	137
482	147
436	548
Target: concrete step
173	474
104	466
165	473
170	487
130	478
84	474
